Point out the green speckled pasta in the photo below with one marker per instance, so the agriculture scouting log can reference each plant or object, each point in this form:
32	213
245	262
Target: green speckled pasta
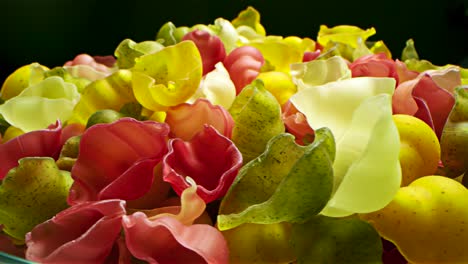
454	153
257	243
169	34
31	193
336	240
257	115
128	50
284	176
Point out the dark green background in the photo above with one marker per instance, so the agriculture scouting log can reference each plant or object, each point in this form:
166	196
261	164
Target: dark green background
54	31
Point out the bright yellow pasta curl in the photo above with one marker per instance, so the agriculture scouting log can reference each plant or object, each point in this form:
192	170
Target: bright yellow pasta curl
249	17
20	79
168	77
279	84
343	34
419	148
427	221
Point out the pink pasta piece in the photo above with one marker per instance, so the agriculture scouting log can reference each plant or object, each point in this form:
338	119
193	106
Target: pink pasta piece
107	60
133	183
448	78
99	63
167	241
84	233
211	48
209	158
243	64
404	74
186	120
296	124
374	65
311	55
117	161
39	143
412	97
423	112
